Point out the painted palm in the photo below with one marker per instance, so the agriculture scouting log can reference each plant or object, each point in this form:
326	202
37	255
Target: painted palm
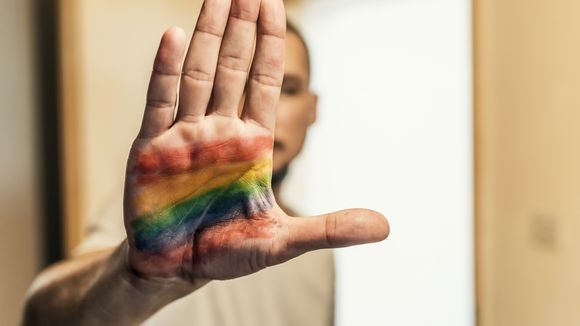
205	202
185	190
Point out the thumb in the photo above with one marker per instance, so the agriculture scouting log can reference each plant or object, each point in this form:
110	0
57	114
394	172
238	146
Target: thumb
335	230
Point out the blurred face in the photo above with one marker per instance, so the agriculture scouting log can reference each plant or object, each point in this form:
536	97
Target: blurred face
297	107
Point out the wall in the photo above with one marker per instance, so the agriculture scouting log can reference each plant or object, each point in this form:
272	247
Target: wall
394	134
19	197
528	154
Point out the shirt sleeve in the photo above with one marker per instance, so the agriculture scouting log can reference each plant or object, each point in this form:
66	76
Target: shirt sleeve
105	229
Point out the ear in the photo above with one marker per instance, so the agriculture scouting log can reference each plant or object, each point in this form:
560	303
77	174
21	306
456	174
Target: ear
313	108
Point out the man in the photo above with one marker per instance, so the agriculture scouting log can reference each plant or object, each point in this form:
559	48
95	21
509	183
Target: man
200	203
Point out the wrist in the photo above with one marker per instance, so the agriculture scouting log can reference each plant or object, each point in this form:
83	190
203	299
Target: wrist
118	296
173	287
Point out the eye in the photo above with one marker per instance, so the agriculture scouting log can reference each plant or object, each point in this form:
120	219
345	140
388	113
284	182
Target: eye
290	90
291	86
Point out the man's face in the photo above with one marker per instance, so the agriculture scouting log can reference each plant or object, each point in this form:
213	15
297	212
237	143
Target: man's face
297	107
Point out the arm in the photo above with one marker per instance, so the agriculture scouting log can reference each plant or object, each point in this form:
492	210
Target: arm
99	289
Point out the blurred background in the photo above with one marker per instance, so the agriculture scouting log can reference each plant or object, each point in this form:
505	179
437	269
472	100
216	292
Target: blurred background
457	119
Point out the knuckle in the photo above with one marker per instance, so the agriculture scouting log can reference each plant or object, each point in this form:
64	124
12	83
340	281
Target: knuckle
198	75
267	79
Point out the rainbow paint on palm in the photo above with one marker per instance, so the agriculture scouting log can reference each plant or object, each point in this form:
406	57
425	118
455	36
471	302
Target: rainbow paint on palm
188	189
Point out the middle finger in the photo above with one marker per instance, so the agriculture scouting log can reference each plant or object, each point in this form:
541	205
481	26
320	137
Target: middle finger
235	57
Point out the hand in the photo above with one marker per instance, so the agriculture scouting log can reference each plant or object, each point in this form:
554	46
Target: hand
198	200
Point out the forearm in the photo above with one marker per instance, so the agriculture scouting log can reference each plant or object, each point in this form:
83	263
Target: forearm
99	288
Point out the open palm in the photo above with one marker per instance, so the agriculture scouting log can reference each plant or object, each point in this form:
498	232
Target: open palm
198	198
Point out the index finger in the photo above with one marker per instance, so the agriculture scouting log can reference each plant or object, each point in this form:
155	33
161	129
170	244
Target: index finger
267	70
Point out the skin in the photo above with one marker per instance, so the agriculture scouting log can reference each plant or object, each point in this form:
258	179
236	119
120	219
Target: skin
228	96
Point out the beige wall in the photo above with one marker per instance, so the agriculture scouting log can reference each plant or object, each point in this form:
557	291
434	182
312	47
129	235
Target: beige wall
527	90
19	234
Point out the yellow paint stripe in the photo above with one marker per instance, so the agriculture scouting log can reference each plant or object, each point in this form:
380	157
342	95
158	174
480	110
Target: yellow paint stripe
172	189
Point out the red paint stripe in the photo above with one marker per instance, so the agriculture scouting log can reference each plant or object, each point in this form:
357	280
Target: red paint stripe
150	165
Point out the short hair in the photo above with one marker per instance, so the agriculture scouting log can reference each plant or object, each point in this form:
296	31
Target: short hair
291	28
